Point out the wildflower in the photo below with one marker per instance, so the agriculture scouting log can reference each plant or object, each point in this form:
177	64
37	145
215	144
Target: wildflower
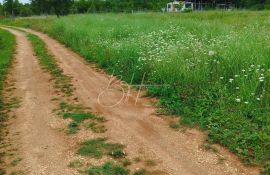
261	79
236	76
258	99
221	78
237	88
230	80
211	53
246	102
238	100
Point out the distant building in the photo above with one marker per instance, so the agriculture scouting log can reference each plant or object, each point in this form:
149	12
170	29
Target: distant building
184	5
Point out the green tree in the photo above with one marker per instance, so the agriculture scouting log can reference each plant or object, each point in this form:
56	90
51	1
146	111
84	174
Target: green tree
61	7
8	6
16	7
41	6
25	10
58	7
1	10
92	8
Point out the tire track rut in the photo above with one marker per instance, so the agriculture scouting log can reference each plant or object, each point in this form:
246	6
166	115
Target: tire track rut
43	149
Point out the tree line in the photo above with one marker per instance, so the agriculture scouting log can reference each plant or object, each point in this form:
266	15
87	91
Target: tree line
64	7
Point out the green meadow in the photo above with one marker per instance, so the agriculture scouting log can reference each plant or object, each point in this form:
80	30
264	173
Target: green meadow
212	68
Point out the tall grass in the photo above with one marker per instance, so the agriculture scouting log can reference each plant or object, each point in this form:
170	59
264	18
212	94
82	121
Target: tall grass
7	43
214	66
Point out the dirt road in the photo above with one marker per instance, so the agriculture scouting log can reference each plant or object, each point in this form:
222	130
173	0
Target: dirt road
42	148
136	125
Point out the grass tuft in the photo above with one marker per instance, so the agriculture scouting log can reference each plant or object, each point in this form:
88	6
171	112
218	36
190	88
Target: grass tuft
98	147
79	114
108	168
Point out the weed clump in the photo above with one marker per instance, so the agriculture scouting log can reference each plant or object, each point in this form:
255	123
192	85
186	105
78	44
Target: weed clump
98	147
108	168
78	114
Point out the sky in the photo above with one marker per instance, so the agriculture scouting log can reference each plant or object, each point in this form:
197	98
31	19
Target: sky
23	1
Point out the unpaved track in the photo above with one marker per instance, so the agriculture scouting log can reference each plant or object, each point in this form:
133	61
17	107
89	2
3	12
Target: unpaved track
137	126
43	149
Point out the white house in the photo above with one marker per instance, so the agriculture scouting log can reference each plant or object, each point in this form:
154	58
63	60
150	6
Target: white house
177	6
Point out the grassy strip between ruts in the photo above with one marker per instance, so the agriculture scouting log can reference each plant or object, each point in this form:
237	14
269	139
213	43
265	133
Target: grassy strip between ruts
61	81
7	43
78	114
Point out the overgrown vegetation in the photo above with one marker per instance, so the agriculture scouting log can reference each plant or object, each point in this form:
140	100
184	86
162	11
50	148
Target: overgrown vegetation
7	42
61	81
214	67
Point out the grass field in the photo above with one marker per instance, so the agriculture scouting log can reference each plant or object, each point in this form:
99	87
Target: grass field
7	42
214	66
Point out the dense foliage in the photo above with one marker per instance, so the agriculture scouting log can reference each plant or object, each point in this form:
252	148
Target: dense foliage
58	7
214	67
254	4
15	8
64	7
35	7
83	6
